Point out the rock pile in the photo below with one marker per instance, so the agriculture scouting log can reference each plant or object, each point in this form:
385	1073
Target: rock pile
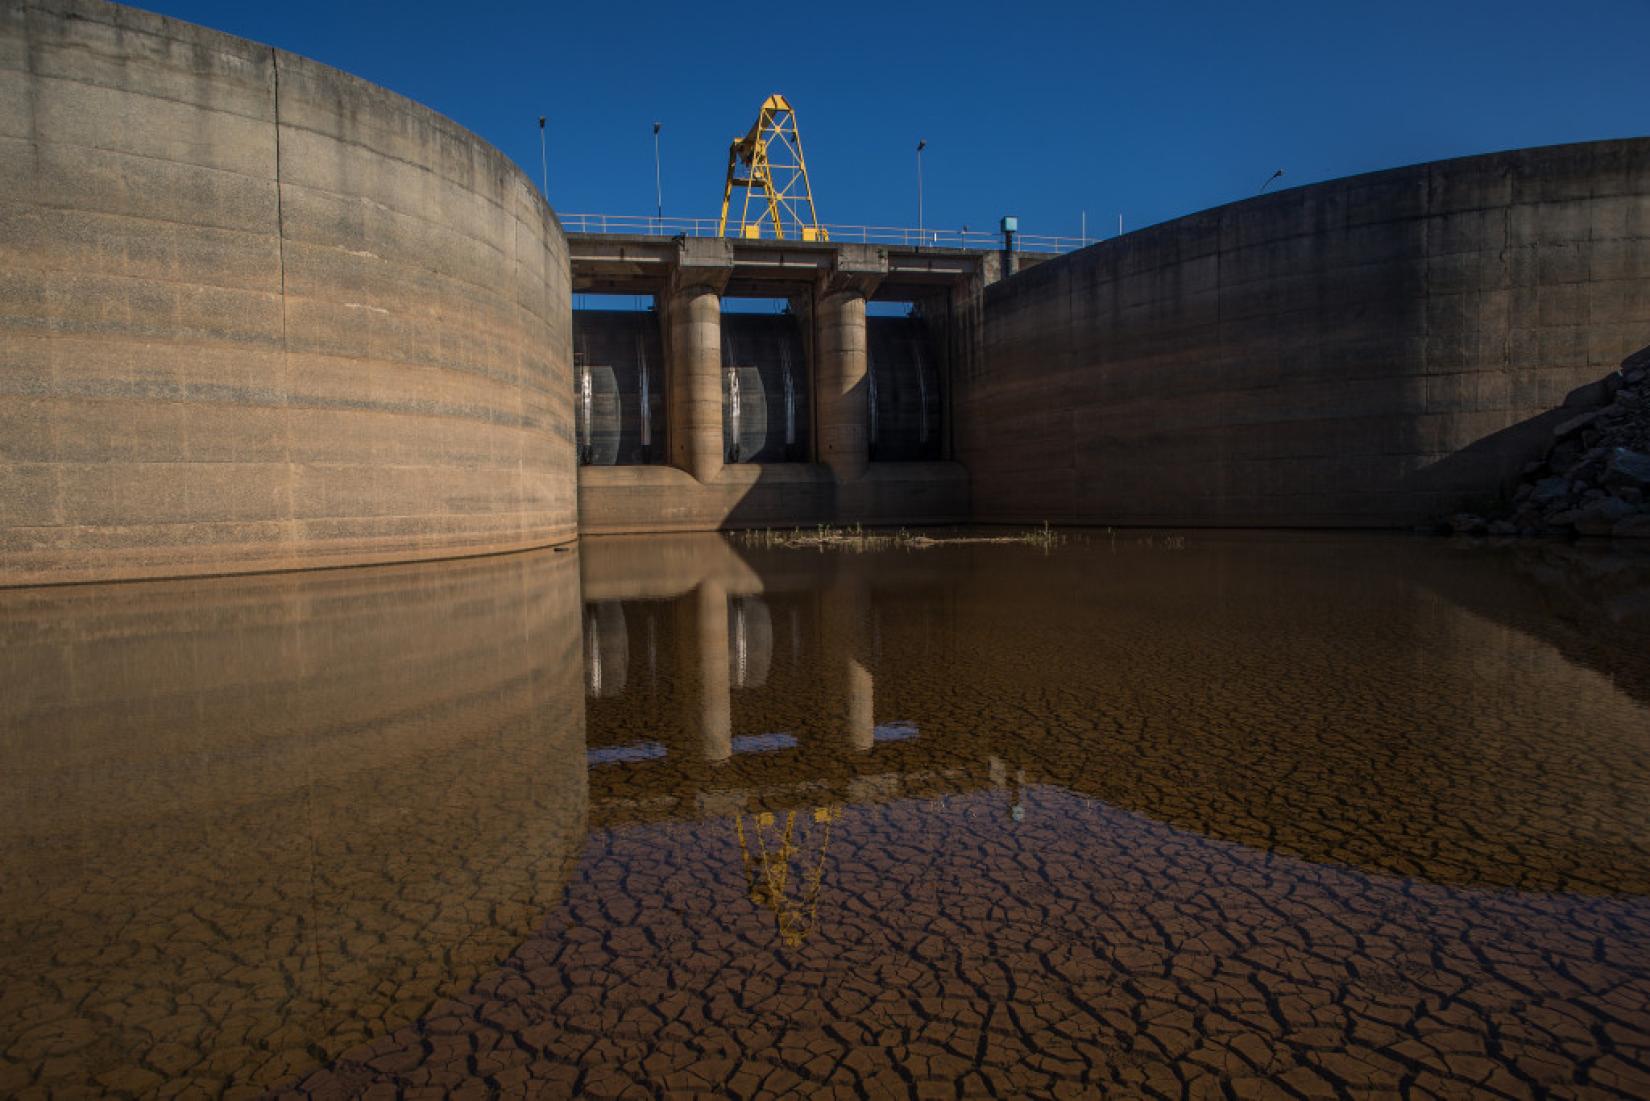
1595	479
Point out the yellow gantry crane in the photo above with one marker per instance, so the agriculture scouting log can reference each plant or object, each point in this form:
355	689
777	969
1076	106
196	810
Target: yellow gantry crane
770	157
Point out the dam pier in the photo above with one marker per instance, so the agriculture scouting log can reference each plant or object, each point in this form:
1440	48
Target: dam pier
818	414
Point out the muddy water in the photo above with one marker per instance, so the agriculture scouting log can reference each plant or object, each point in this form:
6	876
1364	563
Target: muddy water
1200	815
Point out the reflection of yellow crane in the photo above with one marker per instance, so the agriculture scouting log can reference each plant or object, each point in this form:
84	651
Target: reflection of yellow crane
771	154
768	872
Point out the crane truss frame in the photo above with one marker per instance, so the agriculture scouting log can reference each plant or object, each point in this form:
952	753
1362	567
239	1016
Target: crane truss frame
771	154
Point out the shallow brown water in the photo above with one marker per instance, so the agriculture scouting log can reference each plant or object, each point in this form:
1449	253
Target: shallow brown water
1182	816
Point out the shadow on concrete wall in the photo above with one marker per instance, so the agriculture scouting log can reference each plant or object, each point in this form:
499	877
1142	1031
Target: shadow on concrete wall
1358	353
1497	460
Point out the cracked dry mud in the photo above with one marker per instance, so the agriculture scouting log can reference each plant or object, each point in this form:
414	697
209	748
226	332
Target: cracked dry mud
1206	816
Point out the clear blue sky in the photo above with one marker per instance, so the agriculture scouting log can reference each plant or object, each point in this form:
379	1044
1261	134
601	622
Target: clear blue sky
1150	110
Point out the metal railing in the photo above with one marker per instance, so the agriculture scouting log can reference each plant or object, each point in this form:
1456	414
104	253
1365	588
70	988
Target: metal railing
978	240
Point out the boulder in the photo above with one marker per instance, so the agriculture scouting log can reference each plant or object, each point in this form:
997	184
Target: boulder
1575	424
1589	395
1566	454
1550	491
1626	467
1600	517
1634	527
1637	364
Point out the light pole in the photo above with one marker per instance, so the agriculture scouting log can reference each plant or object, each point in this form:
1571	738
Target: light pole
921	145
1276	175
658	185
544	163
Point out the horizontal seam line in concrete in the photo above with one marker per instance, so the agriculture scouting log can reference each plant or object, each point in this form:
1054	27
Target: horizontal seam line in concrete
262	94
525	545
33	205
34	324
61	327
200	392
84	274
37	141
467	186
507	519
194	38
506	263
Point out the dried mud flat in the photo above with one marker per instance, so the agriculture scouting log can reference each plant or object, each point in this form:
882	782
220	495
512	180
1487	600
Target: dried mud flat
1079	952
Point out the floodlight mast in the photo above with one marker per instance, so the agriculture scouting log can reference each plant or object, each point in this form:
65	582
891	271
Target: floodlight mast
769	160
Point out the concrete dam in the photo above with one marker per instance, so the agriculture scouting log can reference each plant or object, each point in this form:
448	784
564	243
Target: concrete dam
258	314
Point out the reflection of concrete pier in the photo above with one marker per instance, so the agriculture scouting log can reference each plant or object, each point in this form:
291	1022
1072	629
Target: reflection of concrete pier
724	634
710	615
847	609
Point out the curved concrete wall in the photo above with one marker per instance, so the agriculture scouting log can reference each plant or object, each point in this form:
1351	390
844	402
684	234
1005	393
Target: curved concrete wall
256	314
1363	352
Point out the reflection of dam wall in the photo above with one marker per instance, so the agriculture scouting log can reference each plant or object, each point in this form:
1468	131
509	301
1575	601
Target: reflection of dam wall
1361	352
258	313
1307	695
275	815
1311	695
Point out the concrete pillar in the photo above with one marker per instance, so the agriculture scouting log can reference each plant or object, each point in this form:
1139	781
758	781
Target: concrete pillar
841	390
715	694
694	399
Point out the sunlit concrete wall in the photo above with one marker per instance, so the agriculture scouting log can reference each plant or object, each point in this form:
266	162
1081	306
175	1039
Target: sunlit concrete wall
1369	351
256	313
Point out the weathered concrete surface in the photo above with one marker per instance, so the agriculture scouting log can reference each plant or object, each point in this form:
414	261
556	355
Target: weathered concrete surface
694	397
841	390
251	822
615	500
256	313
1363	352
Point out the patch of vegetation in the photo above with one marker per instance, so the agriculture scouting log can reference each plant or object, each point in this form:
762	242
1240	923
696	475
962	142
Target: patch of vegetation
856	538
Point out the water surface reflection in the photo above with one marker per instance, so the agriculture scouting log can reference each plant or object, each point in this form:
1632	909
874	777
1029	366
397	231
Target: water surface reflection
1307	815
251	822
1269	815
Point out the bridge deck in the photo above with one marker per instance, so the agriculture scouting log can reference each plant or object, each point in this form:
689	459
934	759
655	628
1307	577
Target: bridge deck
642	263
